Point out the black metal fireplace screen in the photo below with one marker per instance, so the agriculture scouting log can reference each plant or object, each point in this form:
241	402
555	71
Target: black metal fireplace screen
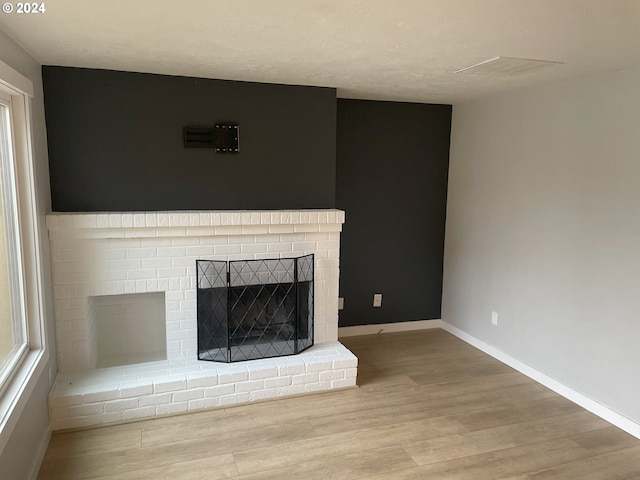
252	309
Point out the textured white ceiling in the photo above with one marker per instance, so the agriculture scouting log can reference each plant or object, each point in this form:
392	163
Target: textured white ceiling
392	50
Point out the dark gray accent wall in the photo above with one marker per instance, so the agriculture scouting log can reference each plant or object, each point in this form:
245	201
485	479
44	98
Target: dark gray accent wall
392	166
115	143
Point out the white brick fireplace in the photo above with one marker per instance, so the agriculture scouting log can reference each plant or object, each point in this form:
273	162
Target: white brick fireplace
125	304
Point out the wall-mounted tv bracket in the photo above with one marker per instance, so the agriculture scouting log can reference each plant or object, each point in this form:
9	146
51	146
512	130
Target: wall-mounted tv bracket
224	137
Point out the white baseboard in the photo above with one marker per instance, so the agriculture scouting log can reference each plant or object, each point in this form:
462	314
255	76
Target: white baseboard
39	456
388	327
585	402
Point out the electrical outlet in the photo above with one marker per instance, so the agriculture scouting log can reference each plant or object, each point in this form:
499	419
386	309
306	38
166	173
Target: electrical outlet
340	303
377	299
494	318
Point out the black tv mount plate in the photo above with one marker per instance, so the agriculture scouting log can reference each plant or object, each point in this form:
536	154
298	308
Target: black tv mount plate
224	137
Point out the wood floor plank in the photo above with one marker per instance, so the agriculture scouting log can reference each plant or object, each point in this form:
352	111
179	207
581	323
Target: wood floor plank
207	468
492	439
344	467
434	360
409	411
254	460
606	439
89	442
462	371
511	462
429	406
454	388
495	464
375	383
526	391
618	465
203	415
92	466
500	415
594	442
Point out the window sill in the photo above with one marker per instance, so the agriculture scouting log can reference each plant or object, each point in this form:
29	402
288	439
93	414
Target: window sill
19	390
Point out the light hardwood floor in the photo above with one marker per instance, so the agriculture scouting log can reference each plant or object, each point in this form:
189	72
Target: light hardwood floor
429	406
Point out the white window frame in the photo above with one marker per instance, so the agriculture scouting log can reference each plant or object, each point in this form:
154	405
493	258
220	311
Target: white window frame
14	252
26	373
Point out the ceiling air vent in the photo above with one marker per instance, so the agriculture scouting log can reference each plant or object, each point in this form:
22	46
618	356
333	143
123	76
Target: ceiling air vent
507	66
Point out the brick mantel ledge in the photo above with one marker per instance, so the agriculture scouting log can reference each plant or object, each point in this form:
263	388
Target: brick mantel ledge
193	223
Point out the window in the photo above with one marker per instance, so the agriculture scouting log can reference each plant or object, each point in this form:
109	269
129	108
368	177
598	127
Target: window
13	325
23	356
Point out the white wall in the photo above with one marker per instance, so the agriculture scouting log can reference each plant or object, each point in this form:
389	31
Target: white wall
30	423
543	226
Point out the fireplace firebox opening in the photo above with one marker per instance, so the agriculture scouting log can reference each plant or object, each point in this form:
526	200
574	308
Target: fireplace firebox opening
128	328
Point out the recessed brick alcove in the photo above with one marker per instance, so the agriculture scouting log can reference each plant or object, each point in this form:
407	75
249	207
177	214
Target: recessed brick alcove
100	260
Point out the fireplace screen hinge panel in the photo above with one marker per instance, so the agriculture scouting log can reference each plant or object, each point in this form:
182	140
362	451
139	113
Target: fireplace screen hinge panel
253	309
